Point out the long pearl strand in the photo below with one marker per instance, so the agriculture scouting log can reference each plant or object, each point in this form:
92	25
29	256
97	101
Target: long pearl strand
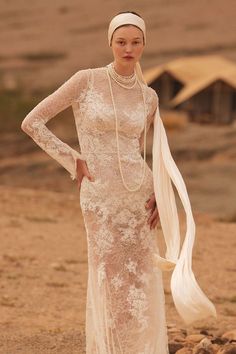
117	137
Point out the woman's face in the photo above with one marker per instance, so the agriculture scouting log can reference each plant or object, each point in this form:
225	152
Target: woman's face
127	44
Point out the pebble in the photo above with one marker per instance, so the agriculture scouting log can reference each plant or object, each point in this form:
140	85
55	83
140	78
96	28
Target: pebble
228	349
179	339
174	347
201	343
174	330
196	338
219	340
184	351
230	334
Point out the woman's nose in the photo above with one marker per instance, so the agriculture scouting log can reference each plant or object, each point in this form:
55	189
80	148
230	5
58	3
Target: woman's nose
128	48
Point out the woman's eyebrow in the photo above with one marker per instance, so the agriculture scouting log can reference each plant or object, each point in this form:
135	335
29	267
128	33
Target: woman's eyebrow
124	38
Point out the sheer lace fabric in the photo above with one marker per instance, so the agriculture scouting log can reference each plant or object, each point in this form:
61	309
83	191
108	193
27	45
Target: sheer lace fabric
125	312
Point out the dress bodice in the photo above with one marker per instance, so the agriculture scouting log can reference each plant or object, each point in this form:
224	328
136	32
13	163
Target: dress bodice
87	91
95	118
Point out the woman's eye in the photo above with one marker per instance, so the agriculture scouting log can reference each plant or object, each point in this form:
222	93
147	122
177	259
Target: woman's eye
123	43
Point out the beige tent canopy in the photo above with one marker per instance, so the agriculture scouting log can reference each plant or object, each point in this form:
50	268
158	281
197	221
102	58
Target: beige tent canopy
200	84
197	84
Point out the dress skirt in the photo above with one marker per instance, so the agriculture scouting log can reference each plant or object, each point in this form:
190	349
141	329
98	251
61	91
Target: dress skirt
125	312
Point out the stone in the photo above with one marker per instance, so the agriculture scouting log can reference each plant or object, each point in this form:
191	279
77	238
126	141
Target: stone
203	351
179	338
184	351
204	331
205	343
227	349
174	347
196	338
219	340
204	347
231	335
215	348
184	331
174	330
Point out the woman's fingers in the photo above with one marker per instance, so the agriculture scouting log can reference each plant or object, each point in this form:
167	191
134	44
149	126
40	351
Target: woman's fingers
82	171
154	224
89	176
151	202
87	173
153	218
153	215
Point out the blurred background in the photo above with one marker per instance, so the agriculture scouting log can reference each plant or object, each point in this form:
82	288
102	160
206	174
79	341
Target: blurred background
190	60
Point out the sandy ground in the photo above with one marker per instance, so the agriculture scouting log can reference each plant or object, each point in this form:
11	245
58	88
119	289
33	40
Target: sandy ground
43	269
43	254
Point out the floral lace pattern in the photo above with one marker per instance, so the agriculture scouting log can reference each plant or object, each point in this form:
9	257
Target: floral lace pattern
125	311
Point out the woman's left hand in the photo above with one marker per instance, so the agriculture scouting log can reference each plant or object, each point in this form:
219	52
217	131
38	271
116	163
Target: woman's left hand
154	217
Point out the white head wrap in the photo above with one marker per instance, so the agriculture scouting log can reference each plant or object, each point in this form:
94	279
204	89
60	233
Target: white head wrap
190	301
128	19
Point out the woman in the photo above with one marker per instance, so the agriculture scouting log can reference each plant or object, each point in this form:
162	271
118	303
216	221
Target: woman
113	109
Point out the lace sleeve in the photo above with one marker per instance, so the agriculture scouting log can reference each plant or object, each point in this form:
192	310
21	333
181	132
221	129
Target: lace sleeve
34	124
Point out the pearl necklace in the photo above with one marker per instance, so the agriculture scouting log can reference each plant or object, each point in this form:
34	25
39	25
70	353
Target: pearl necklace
122	80
117	138
119	76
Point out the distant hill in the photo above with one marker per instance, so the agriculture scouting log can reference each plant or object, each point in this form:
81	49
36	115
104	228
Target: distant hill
46	42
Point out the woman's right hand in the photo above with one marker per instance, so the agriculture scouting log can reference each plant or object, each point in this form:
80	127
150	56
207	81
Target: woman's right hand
82	170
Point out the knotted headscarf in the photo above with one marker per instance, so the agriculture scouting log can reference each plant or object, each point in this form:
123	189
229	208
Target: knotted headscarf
190	301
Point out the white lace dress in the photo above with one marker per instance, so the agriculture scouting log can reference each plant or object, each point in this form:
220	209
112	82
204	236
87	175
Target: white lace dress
125	312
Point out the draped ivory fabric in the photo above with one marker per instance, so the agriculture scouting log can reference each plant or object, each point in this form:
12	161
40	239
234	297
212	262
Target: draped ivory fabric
190	301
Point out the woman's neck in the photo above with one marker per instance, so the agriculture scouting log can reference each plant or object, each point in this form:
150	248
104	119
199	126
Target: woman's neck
124	70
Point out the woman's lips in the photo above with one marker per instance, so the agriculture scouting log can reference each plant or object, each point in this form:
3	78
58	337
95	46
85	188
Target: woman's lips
128	57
